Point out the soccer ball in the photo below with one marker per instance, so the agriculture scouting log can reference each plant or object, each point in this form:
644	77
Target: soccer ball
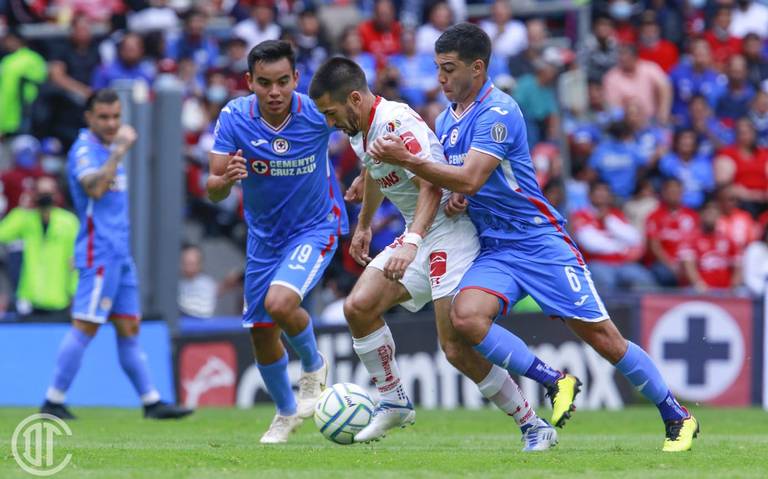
342	411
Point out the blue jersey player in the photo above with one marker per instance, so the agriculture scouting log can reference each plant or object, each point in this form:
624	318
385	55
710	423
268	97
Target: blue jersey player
107	288
276	143
524	246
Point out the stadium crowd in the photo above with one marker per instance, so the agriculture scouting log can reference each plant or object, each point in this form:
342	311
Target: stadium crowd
651	137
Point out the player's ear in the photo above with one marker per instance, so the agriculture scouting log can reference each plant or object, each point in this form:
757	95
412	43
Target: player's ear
355	98
478	67
296	76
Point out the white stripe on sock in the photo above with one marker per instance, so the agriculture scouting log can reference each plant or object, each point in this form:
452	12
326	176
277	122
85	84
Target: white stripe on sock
55	395
150	398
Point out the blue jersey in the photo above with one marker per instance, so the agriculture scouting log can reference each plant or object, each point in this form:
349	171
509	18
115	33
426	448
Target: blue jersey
104	226
290	188
687	82
510	204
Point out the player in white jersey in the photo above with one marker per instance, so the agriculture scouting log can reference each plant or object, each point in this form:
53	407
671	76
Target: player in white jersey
425	264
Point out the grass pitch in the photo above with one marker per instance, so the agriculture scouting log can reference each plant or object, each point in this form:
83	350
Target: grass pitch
223	443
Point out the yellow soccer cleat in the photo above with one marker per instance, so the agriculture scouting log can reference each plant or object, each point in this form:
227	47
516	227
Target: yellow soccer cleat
680	434
562	395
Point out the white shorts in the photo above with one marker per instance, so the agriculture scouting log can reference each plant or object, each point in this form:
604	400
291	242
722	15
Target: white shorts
443	258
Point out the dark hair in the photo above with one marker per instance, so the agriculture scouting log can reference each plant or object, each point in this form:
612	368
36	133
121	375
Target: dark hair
338	77
599	184
270	51
105	95
469	41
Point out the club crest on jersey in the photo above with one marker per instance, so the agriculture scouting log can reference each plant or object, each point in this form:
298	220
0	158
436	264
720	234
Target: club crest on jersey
499	132
260	167
105	304
454	136
280	146
392	126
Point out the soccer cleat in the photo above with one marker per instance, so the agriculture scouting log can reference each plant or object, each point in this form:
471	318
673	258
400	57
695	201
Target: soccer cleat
386	416
280	429
562	395
164	410
680	434
540	436
311	385
56	409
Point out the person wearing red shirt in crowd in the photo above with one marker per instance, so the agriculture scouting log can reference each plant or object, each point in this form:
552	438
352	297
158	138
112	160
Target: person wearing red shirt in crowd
19	181
666	230
609	243
381	34
746	166
652	47
734	222
709	258
721	42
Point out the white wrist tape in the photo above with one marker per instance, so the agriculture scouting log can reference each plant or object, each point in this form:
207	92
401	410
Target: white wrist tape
413	238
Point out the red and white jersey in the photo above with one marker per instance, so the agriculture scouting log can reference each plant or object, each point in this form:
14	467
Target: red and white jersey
672	228
715	256
610	239
395	181
739	227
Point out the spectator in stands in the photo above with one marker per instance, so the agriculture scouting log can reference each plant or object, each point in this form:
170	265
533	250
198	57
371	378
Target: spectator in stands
758	115
737	95
537	99
755	266
749	17
633	78
312	47
600	51
669	17
746	166
150	17
48	279
757	64
694	76
610	244
260	25
711	133
509	36
617	161
418	82
351	47
18	182
709	258
197	291
585	130
721	42
193	42
380	35
22	70
734	222
234	65
130	64
622	11
666	231
652	46
694	170
438	20
653	141
643	203
537	36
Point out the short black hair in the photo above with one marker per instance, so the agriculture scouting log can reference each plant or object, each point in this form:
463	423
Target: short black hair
469	41
105	95
338	77
270	51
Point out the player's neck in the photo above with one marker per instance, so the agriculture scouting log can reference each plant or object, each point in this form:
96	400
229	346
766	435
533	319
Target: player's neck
469	99
275	119
366	116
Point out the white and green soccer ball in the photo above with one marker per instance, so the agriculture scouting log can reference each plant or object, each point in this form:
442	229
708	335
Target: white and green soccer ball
342	411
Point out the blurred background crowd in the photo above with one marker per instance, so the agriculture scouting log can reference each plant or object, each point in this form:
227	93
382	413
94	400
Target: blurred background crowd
649	131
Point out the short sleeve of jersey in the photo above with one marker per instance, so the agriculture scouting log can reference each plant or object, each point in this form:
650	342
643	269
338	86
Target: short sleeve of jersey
413	131
494	130
85	162
223	138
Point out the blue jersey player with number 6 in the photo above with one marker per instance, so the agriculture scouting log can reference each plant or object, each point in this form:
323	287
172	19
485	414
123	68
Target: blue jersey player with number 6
275	142
524	246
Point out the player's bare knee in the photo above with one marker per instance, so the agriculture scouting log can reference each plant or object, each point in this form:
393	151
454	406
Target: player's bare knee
358	306
127	328
86	327
281	305
454	351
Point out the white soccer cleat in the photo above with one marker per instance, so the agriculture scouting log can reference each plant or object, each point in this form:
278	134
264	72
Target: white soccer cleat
280	429
539	437
311	386
387	416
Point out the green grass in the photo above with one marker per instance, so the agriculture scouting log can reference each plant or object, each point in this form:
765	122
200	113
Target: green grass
223	443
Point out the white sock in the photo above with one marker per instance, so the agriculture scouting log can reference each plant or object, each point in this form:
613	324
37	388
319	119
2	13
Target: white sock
150	398
499	388
377	353
55	396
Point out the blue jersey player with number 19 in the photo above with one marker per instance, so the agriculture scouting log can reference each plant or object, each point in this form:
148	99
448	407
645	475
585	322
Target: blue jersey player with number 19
276	143
524	246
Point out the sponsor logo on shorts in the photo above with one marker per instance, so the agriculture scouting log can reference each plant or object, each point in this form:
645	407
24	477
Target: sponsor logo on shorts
438	262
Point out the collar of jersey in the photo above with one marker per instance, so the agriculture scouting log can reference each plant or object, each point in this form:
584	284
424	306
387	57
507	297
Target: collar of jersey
481	96
93	138
295	106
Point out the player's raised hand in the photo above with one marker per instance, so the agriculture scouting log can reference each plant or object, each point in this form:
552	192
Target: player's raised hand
390	149
360	246
126	136
399	261
456	205
355	191
236	168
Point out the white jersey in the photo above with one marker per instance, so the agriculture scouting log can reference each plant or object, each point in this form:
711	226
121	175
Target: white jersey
395	181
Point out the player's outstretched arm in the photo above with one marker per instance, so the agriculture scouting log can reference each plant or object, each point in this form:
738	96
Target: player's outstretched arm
225	171
361	239
466	179
97	183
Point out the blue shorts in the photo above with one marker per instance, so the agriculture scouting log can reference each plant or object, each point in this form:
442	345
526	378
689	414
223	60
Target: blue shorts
298	266
107	291
549	268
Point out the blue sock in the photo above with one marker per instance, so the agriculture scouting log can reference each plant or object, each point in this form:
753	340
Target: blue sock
542	373
68	361
639	369
134	363
305	346
275	377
